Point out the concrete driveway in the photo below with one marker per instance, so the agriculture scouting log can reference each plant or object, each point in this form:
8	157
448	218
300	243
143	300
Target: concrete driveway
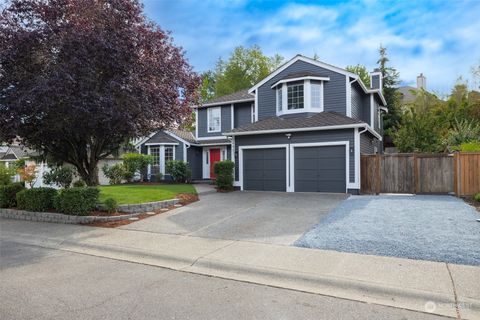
269	217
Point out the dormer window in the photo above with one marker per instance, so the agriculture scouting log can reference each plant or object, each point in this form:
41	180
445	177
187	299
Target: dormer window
299	94
295	96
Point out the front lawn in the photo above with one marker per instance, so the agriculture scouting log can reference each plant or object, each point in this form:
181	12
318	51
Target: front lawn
132	194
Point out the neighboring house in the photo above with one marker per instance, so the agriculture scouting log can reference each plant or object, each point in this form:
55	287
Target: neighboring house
407	93
301	129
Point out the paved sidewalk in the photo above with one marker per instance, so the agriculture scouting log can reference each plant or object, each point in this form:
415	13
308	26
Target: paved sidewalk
409	284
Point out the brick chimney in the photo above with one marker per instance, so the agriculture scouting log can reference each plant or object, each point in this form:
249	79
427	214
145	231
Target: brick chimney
376	81
421	82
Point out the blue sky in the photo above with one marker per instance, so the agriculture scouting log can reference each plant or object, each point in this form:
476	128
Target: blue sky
439	38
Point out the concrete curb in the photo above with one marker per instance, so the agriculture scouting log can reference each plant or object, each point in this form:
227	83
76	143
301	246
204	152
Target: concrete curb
347	288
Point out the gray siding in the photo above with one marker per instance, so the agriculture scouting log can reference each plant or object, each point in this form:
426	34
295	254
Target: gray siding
242	114
366	109
179	152
194	158
368	143
376	106
202	122
334	90
357	101
299	137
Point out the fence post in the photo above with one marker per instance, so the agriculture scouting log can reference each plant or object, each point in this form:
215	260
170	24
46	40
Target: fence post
415	174
455	174
378	185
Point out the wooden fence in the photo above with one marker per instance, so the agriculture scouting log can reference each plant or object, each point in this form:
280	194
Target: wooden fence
421	173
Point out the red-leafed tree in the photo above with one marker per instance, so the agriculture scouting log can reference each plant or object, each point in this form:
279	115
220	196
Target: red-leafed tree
80	77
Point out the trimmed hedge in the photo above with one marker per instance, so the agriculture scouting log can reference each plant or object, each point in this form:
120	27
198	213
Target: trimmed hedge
224	174
77	201
8	194
36	199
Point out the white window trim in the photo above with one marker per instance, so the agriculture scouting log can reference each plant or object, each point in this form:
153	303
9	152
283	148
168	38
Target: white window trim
208	119
266	146
232	114
161	155
307	99
348	184
206	154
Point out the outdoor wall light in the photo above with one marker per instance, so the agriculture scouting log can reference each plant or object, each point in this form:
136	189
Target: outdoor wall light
288	135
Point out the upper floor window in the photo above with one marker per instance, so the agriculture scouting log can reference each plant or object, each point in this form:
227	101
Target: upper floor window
214	119
299	96
295	96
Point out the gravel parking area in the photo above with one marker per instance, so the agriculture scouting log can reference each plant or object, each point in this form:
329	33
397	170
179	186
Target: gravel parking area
437	228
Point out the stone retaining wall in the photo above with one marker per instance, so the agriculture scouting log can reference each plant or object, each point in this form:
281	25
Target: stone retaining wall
148	206
131	210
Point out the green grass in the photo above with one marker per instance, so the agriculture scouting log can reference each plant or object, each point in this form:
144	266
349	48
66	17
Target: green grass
132	194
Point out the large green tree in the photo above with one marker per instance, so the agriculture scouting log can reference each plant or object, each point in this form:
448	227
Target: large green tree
79	78
390	82
362	72
244	68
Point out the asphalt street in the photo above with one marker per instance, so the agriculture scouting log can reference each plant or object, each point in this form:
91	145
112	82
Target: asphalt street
39	283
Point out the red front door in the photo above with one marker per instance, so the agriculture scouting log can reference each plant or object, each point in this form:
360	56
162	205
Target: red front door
214	157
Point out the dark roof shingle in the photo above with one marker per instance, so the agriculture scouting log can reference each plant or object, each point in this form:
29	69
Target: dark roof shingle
322	119
241	95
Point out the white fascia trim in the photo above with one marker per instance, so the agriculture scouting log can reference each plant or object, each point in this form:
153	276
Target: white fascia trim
265	146
222	103
384	109
211	138
301	78
256	105
348	184
305	59
348	86
173	135
366	90
162	144
372	119
139	143
247	133
212	144
357	157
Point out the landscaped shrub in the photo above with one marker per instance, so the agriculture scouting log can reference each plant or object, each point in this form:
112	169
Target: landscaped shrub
135	163
79	184
36	199
110	205
224	174
61	176
8	194
28	174
477	197
77	201
470	147
6	174
115	173
178	170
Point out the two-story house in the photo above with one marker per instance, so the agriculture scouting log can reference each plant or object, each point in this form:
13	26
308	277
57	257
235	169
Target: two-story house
301	129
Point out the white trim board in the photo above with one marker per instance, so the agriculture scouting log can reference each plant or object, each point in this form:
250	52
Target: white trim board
290	162
338	127
348	184
222	103
265	146
300	78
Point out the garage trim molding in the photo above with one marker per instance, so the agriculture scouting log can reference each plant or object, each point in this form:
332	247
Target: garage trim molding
266	146
320	144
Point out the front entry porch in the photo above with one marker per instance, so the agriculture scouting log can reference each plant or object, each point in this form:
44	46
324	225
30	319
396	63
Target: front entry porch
210	156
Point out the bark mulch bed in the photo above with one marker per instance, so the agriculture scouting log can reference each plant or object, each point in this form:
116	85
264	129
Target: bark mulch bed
472	202
184	198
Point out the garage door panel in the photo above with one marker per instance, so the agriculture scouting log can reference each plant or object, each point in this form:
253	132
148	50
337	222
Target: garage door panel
264	169
320	169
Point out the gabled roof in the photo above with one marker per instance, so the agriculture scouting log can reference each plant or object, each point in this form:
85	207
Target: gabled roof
319	121
183	134
407	95
321	64
316	120
239	96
